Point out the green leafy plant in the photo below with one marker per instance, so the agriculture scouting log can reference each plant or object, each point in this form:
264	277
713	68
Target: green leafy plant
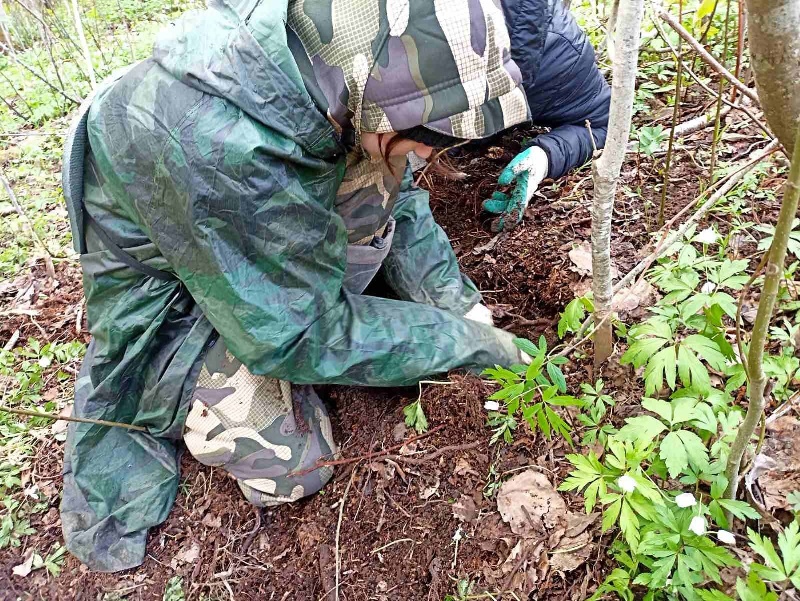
651	138
619	485
794	237
574	314
532	392
415	416
12	526
174	590
595	407
784	568
666	356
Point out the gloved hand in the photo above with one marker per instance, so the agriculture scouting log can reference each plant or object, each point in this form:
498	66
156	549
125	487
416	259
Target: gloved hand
480	313
483	314
528	169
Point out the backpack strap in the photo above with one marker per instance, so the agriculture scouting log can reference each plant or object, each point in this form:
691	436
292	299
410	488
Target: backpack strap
72	170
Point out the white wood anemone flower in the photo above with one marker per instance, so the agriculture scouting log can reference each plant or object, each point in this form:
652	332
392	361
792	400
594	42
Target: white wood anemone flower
626	483
698	525
728	538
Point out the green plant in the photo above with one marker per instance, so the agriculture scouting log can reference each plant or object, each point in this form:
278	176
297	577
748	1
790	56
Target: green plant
12	526
174	590
595	404
793	244
666	355
619	485
415	416
651	138
463	591
574	314
784	568
532	391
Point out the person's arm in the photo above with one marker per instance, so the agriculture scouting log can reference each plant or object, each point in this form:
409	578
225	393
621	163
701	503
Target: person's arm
568	91
565	91
421	265
248	226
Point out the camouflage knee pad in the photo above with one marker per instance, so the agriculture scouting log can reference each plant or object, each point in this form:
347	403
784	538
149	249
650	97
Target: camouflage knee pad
260	430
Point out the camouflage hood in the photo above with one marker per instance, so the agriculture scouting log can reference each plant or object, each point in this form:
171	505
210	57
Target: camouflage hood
215	51
389	65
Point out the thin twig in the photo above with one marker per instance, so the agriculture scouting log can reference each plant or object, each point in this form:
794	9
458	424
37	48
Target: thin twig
715	139
339	530
676	110
48	258
252	534
39	77
368	456
79	420
740	305
9	346
713	93
739	46
439	453
706	56
391	544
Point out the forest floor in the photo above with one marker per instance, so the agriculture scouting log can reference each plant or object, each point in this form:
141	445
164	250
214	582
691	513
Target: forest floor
420	520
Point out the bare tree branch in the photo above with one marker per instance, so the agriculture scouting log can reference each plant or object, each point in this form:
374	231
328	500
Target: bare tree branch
706	56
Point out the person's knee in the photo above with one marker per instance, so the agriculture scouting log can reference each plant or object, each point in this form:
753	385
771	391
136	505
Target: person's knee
271	436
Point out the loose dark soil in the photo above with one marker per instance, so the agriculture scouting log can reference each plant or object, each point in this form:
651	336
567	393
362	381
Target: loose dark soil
397	527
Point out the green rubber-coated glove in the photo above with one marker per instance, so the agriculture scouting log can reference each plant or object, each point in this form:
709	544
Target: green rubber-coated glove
527	171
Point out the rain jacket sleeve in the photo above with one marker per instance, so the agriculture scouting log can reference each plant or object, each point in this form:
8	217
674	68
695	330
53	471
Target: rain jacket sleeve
264	258
421	265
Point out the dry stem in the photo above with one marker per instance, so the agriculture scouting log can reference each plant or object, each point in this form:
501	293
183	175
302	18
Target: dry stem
706	56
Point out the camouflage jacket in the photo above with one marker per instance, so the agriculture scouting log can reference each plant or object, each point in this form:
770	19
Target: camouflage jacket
212	162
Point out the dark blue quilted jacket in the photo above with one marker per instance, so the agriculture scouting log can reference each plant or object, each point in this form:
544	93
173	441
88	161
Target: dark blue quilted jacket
561	79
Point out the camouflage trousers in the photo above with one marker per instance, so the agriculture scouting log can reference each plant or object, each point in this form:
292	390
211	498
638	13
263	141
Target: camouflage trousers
267	432
262	431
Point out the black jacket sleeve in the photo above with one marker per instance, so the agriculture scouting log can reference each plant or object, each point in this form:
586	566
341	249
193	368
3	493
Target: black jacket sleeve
566	90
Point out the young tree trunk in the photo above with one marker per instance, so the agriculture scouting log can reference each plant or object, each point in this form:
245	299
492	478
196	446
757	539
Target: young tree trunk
606	169
87	56
757	379
775	50
774	30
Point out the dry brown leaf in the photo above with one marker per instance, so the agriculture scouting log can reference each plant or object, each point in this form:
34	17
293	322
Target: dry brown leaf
577	523
400	431
465	509
572	552
212	521
529	504
26	567
581	257
430	491
641	294
779	462
527	561
309	536
463	468
188	554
